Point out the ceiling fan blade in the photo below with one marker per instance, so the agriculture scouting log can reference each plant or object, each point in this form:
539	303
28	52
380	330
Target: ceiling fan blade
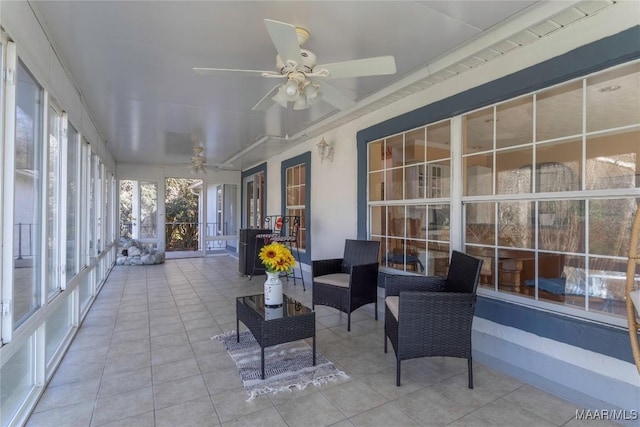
334	97
285	39
202	70
266	100
376	66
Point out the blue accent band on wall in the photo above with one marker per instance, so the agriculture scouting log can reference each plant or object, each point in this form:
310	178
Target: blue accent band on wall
257	169
601	54
596	56
596	337
304	158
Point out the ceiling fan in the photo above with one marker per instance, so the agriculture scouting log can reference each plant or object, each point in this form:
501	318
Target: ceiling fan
303	76
199	162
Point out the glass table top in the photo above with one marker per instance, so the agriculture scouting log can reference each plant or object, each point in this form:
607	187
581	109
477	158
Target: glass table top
289	308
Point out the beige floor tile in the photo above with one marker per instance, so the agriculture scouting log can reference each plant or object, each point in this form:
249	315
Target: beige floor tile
179	391
315	409
384	415
77	415
501	413
123	382
123	406
175	370
196	413
353	397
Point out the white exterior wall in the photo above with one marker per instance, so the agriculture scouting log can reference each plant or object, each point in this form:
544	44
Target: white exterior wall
582	376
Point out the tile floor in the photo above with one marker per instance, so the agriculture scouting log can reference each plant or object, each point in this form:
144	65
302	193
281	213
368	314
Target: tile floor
144	357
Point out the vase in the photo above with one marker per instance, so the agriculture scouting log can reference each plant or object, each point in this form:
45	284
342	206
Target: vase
273	290
271	313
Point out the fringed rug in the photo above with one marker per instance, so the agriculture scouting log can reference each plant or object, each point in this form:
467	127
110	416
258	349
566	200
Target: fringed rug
286	366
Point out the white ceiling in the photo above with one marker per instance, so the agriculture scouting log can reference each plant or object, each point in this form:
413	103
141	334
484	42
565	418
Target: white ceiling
132	61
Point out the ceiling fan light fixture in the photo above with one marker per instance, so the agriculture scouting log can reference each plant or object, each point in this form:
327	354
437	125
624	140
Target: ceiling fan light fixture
291	90
311	93
280	98
301	103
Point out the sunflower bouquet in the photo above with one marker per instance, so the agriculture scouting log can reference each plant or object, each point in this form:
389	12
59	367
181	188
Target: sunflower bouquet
276	257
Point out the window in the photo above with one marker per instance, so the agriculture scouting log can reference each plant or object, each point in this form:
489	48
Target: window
551	188
91	202
409	187
73	181
296	199
52	209
27	196
254	199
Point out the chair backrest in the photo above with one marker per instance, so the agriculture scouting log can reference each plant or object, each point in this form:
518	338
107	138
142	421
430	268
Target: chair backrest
464	273
358	252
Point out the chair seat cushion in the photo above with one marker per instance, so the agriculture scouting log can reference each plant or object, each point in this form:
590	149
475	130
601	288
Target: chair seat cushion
393	303
336	279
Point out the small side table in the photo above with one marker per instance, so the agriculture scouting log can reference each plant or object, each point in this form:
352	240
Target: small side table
271	326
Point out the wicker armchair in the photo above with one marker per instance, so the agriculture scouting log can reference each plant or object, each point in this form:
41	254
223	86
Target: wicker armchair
432	316
350	282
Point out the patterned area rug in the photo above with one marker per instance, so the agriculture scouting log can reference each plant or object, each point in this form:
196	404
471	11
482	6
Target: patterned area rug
287	366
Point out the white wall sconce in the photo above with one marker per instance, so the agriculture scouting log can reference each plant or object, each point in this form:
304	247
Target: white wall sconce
325	150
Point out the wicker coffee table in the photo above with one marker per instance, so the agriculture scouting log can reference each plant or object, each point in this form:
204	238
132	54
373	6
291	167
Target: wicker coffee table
275	325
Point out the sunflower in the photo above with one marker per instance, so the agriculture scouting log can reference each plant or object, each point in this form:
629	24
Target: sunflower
276	257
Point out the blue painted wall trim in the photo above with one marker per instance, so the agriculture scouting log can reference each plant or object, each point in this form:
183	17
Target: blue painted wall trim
260	168
604	53
300	159
596	337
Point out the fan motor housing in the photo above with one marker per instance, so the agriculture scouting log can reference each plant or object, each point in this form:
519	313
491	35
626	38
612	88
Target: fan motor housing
308	62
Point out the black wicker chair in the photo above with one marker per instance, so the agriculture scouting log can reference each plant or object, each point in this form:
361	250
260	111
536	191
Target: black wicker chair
432	316
350	282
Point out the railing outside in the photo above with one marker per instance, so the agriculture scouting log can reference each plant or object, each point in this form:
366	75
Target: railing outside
185	236
23	238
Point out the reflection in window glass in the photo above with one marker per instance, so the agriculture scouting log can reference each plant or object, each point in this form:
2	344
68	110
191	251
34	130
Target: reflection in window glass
394	151
613	98
376	216
73	171
516	269
610	226
514	224
415	146
394	184
565	98
57	326
514	123
558	166
414	183
53	196
513	169
477	131
605	284
376	186
478	175
612	160
16	381
480	219
27	196
92	209
561	225
439	137
487	272
85	291
376	155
